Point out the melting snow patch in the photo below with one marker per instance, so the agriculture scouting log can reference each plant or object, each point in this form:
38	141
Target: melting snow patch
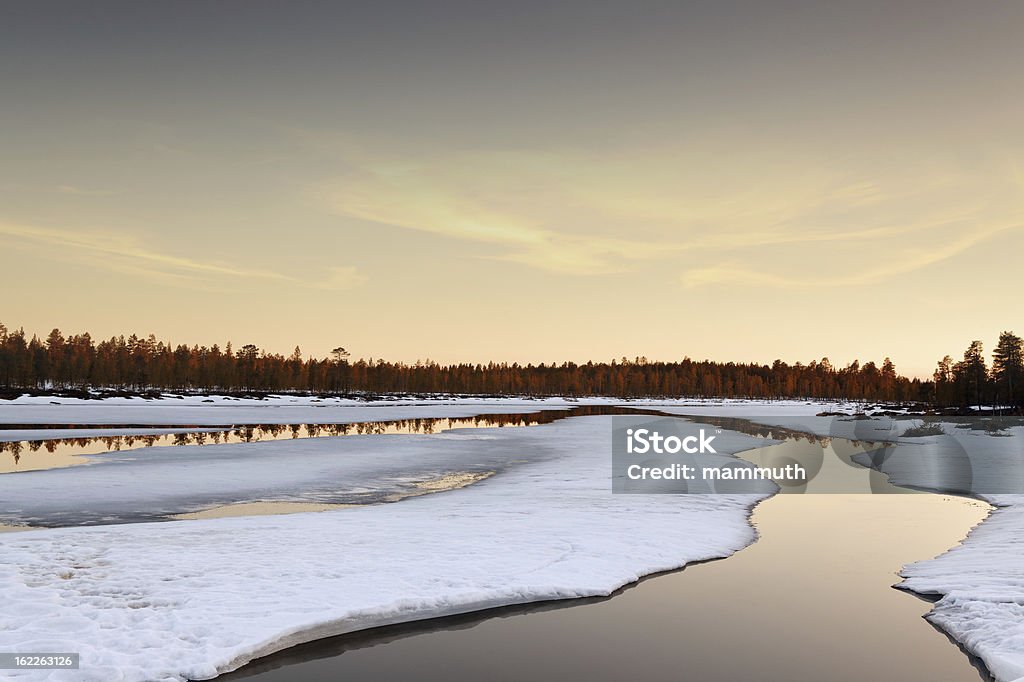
191	599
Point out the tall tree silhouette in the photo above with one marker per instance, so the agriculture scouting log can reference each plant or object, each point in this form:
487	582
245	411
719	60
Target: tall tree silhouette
971	373
1008	369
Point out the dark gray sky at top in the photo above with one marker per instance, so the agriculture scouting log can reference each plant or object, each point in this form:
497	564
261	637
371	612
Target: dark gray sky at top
520	70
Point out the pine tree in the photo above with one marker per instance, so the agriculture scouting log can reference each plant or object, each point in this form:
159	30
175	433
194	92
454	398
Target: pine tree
1008	369
970	374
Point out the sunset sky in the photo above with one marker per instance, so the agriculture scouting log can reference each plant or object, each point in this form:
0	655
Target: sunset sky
468	181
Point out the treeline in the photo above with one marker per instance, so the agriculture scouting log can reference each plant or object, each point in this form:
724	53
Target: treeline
140	364
971	382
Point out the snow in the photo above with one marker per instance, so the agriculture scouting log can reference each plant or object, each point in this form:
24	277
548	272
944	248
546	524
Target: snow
981	581
223	411
347	469
982	587
226	411
190	599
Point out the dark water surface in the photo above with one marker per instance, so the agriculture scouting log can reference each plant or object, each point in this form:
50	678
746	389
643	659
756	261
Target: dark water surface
52	453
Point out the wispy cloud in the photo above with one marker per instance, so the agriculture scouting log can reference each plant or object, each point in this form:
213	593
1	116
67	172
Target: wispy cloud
84	191
401	195
590	215
515	238
124	253
926	255
339	279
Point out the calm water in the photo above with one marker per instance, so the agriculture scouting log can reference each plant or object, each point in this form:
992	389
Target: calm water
810	600
51	453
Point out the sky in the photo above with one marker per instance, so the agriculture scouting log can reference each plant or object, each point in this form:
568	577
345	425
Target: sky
475	181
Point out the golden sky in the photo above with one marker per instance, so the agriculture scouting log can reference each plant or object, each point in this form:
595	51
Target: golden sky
530	183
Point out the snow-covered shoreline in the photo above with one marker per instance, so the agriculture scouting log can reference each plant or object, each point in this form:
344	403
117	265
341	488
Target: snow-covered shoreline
225	411
981	588
191	599
592	544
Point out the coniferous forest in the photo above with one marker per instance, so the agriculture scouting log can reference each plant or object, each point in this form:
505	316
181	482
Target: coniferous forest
77	361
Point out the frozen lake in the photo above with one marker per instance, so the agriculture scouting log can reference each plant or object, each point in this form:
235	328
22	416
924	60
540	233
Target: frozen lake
812	599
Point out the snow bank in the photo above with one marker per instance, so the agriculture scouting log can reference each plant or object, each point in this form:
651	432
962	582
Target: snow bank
981	582
221	411
152	483
982	587
191	599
